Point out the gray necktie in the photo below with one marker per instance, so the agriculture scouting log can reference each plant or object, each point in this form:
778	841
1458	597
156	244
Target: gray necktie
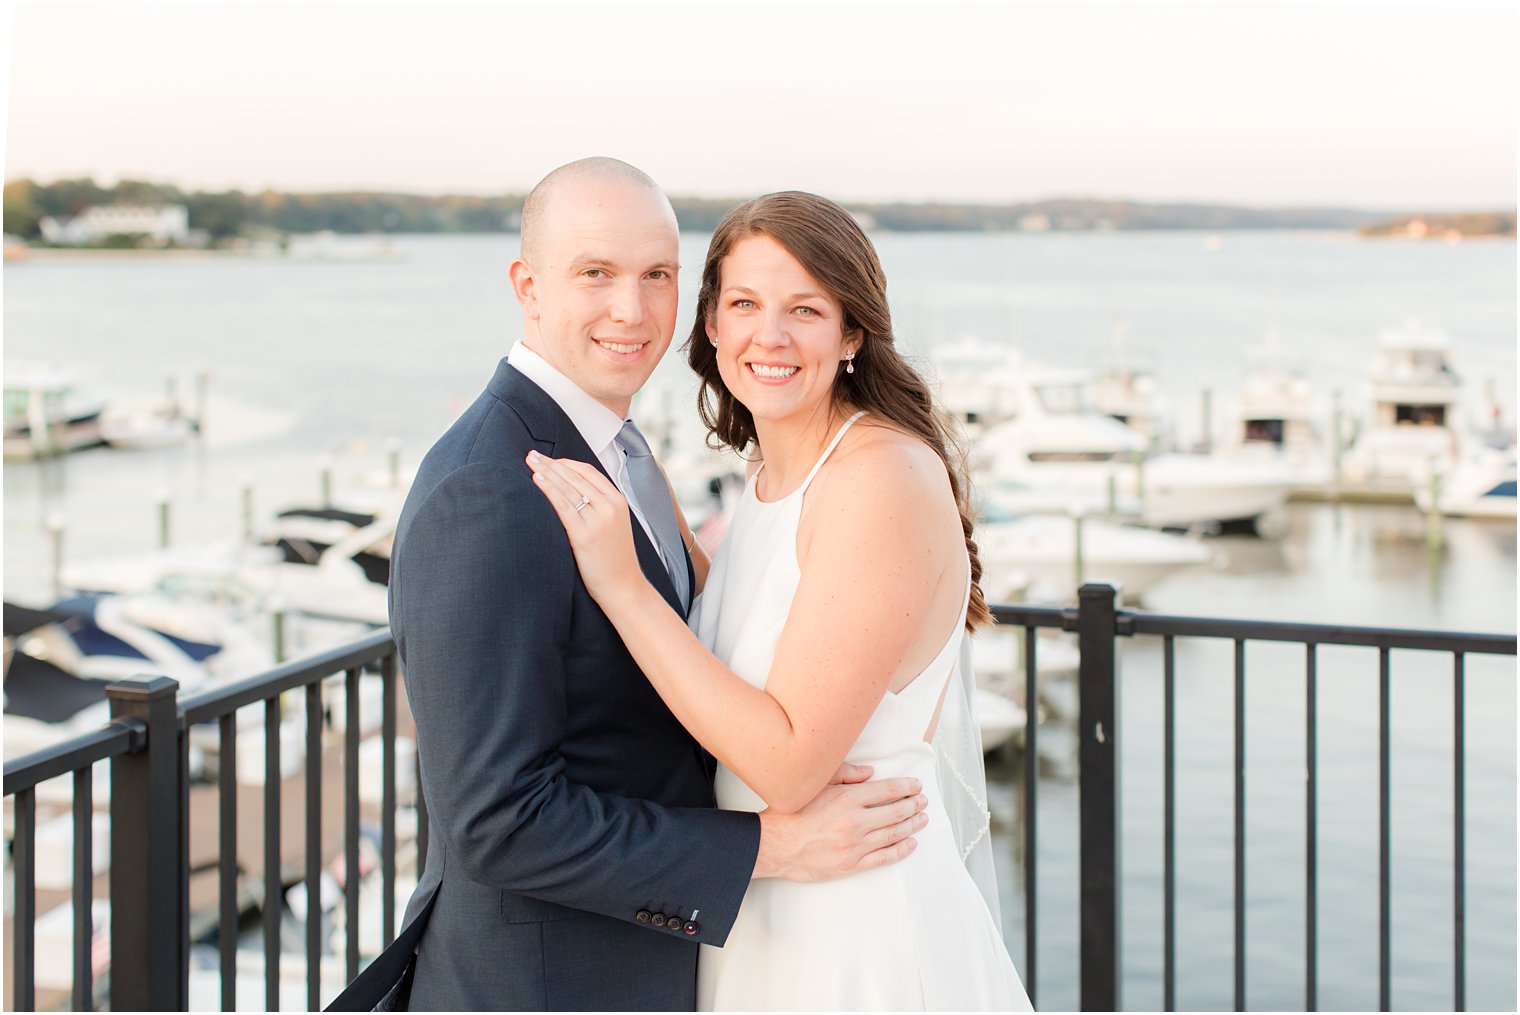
653	499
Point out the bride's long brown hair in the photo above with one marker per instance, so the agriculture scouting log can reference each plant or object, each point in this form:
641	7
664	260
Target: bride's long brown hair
832	247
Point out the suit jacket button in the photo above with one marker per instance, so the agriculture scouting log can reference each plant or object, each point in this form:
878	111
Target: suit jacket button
658	919
675	925
692	928
644	916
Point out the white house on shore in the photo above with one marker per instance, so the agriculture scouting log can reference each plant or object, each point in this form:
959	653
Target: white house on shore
160	225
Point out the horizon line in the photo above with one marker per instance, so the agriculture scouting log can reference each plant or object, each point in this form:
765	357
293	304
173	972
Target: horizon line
927	202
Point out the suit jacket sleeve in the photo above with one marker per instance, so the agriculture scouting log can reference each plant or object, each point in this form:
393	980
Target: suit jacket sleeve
486	686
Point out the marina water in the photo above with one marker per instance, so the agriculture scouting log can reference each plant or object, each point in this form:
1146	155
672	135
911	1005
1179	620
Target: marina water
349	344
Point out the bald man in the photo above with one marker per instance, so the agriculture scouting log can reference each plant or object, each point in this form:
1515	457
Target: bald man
576	858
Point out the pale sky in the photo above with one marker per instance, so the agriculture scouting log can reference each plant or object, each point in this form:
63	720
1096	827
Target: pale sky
1367	105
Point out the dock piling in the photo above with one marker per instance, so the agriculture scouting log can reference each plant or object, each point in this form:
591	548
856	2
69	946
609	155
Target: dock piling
1335	434
1078	564
163	519
1207	409
55	527
1435	536
202	382
278	613
393	453
247	485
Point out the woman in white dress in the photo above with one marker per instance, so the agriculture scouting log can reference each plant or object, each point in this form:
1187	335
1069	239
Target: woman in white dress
830	622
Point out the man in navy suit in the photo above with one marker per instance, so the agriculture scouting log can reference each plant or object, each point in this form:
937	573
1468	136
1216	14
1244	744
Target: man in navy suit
576	857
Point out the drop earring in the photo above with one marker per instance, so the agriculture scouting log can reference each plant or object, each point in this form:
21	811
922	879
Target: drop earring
849	362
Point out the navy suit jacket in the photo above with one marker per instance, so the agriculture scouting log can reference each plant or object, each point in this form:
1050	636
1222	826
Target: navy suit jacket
576	857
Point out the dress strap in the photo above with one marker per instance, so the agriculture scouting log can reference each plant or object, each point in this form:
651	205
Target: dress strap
838	436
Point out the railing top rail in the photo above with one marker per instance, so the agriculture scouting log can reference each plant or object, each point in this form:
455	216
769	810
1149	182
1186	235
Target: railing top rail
112	739
1021	615
219	701
1132	622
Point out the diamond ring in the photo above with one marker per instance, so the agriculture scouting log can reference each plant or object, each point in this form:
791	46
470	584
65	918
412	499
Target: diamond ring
582	503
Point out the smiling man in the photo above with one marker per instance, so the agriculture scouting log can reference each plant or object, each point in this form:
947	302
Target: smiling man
577	858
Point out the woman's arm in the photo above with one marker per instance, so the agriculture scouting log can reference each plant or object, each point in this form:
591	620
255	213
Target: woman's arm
870	568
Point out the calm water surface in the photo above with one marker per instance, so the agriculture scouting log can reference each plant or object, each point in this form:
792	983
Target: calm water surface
338	357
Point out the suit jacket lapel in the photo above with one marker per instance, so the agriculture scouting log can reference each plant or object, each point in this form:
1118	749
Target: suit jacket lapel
558	438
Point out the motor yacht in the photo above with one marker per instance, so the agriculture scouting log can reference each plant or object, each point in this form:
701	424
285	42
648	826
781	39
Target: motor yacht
1033	428
1415	400
1479	486
45	415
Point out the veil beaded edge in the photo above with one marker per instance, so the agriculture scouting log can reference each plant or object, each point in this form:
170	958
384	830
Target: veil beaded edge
962	772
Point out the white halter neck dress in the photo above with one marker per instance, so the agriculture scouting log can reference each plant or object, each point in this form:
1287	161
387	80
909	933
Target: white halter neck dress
915	935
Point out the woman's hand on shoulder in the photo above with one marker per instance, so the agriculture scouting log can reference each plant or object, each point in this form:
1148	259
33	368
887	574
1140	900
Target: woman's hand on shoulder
596	518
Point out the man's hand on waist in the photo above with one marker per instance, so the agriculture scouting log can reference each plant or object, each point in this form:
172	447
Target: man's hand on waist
852	825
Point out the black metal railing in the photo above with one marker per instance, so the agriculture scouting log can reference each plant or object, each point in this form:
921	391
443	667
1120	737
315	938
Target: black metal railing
1098	623
148	745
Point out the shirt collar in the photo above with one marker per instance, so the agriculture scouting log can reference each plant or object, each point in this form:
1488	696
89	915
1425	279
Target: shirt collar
598	424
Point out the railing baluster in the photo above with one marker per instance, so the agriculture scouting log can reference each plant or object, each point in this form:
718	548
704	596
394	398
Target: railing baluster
183	788
1385	986
388	801
313	844
1031	781
227	865
273	881
1240	824
1169	848
1311	828
1459	843
24	892
84	888
351	821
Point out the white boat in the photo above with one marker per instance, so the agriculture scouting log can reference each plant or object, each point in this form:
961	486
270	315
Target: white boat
1413	424
1481	486
60	659
999	718
1277	418
256	580
148	430
44	415
1042	552
1036	430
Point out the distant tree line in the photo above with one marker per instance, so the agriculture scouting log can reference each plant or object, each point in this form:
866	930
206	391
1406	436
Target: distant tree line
1444	225
226	215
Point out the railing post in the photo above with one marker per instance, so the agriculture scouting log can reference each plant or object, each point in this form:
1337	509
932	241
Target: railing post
1098	795
148	906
